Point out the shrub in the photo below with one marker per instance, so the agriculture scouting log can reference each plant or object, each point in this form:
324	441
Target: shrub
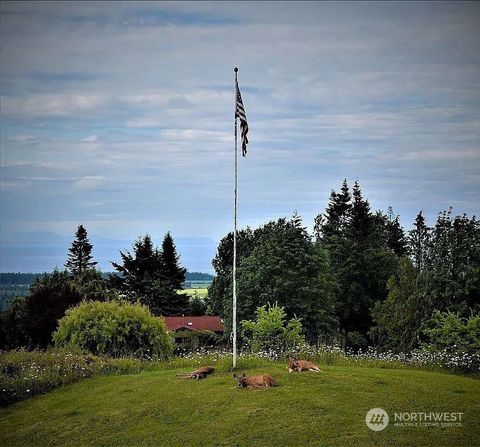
271	332
450	332
115	329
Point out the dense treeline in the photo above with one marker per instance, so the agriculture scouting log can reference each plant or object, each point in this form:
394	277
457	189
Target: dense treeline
19	278
197	276
25	279
359	278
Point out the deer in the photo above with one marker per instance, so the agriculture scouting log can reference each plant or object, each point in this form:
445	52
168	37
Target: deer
258	381
198	374
302	365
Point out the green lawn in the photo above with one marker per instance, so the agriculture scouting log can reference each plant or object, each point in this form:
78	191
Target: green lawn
153	408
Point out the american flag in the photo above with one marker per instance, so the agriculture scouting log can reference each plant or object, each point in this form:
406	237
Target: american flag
240	113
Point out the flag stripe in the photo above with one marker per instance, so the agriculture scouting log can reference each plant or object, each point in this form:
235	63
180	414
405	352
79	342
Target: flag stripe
240	113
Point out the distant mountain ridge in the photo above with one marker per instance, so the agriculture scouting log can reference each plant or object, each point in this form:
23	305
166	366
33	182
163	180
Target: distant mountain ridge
40	251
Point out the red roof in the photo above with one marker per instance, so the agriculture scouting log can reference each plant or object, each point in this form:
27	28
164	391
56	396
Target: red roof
214	324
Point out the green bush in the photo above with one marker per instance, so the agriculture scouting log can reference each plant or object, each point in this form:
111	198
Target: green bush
271	332
450	332
115	329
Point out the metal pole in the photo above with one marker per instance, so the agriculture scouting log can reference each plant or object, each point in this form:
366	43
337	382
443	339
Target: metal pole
234	321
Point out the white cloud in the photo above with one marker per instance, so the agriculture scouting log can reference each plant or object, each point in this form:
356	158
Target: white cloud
23	138
89	182
93	139
49	105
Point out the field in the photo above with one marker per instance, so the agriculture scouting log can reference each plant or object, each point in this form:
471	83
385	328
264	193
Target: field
153	408
200	291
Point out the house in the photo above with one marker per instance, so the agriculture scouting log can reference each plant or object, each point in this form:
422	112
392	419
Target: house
192	332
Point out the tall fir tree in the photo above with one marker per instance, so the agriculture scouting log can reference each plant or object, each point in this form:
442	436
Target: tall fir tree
396	238
80	254
419	240
335	219
356	241
171	263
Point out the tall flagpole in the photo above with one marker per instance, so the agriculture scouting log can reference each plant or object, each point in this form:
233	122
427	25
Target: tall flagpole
234	321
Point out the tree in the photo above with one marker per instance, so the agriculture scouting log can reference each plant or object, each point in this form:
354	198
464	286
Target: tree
80	254
171	264
333	222
396	239
220	290
13	331
49	298
143	277
356	241
400	318
271	332
139	268
197	306
454	263
419	238
443	275
286	267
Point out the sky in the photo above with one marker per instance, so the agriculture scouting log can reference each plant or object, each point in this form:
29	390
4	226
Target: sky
119	116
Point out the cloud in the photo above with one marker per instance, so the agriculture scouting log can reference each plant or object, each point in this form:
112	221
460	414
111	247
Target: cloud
49	105
23	138
93	139
89	182
196	135
386	93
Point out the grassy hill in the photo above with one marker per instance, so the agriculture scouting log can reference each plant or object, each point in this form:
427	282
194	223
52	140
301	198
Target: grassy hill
153	408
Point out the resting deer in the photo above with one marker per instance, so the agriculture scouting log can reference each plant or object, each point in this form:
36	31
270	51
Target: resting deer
200	373
302	365
258	381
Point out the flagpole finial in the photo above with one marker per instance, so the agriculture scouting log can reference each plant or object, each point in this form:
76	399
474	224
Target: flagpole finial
235	69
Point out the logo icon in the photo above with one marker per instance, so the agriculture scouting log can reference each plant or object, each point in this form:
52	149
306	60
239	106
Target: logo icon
377	419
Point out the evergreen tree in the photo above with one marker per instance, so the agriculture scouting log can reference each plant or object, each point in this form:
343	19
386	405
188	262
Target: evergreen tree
357	243
401	316
143	277
418	240
396	239
80	254
454	263
145	263
49	298
171	263
336	216
362	220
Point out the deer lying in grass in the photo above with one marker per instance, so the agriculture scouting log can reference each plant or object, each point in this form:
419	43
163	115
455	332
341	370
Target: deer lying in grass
200	373
258	381
302	365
